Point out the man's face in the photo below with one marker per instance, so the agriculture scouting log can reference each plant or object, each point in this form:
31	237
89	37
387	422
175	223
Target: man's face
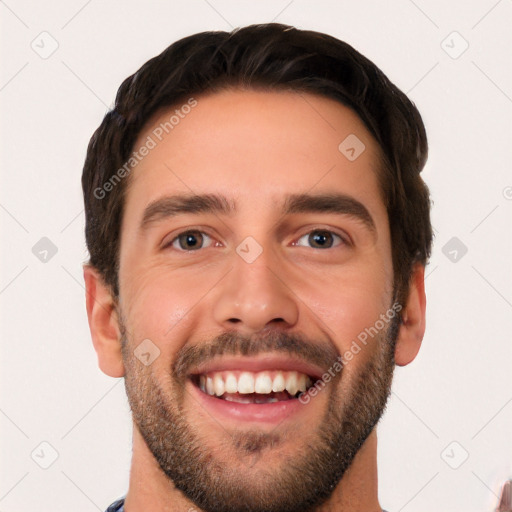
260	296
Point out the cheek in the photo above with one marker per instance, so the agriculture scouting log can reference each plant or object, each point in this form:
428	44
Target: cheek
351	302
167	306
157	308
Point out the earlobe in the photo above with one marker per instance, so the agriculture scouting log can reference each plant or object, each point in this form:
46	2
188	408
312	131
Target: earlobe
412	328
103	323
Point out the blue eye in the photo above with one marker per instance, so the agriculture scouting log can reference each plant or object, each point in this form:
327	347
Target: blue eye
194	239
321	239
190	240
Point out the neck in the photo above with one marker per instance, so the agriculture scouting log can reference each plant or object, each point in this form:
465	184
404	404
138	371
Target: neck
358	489
150	489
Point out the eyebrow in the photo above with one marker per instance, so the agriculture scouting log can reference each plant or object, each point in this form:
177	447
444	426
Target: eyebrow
172	206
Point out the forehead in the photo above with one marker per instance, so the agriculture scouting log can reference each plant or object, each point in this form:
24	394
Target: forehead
255	146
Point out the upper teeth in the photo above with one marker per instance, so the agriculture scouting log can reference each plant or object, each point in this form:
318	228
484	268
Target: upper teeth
218	383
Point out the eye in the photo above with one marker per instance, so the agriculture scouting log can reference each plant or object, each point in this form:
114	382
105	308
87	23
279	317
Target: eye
321	239
191	240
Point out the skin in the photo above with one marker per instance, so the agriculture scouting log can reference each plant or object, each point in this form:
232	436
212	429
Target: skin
253	147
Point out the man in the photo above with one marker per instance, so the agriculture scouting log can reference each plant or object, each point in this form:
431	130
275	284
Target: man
258	232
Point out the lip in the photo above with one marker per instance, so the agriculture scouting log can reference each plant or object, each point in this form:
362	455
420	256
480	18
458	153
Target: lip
271	413
259	364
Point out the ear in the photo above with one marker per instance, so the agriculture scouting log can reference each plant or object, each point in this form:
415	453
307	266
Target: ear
412	327
103	323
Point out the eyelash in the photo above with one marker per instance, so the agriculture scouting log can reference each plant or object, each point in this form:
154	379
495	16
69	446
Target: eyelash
343	239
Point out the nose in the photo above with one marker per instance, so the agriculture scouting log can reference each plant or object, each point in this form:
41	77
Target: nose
253	296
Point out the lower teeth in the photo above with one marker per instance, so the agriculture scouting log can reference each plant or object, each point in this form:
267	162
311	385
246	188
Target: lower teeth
255	398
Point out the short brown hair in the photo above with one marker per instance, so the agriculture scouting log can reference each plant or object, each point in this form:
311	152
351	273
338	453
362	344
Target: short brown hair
269	56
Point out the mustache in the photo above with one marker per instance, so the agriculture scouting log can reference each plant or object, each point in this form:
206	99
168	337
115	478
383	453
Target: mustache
233	343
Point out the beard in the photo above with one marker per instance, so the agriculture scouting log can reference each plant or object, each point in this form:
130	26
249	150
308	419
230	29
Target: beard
303	480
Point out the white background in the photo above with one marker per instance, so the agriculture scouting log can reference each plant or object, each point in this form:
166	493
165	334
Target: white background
459	387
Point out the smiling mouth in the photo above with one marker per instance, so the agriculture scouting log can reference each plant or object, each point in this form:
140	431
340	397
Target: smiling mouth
246	387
